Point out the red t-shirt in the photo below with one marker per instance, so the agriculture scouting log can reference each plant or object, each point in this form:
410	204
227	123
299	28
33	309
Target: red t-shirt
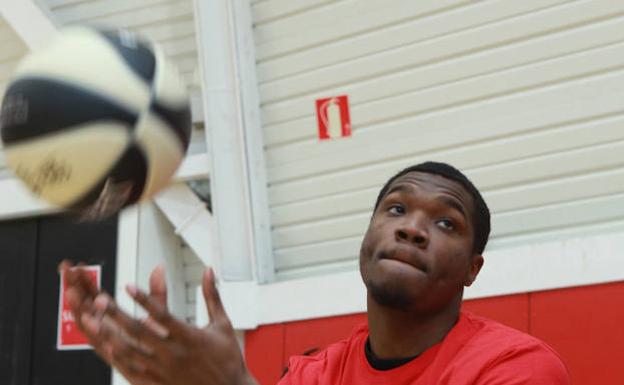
477	351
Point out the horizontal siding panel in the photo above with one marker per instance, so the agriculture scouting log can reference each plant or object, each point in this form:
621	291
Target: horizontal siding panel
516	64
467	157
183	46
560	216
190	78
556	105
148	15
170	30
187	62
321	231
525	171
61	3
587	160
521	172
502	83
271	10
90	10
470	15
556	191
318	253
323	208
554	218
482	38
300	261
339	20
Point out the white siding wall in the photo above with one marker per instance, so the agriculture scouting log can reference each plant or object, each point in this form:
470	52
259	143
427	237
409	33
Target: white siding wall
193	270
169	22
524	96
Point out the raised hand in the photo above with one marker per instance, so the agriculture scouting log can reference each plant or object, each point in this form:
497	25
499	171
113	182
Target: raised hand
164	350
99	328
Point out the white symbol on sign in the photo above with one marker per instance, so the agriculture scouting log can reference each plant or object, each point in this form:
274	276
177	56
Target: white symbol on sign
331	117
67	316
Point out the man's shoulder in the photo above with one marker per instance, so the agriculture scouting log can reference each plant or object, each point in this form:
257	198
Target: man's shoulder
499	337
504	351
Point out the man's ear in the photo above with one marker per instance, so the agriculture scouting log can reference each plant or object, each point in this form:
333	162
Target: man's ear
476	263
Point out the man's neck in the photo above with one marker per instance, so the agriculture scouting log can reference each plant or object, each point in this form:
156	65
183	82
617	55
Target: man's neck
396	333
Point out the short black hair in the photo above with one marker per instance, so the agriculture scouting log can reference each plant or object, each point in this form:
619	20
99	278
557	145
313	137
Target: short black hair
481	217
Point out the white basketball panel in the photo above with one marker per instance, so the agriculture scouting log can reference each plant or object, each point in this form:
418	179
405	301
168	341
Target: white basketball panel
168	86
71	58
63	167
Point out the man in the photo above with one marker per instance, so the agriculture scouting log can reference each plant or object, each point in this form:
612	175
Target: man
423	246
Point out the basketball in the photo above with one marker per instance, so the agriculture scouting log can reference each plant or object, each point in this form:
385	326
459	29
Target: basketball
96	121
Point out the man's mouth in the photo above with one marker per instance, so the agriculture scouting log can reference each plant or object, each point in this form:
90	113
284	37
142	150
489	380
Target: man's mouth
404	256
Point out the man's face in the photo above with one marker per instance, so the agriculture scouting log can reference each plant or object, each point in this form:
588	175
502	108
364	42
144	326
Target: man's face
417	251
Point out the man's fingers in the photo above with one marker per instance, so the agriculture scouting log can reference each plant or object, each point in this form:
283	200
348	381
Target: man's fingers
158	285
118	350
77	276
146	337
213	300
91	327
158	312
78	303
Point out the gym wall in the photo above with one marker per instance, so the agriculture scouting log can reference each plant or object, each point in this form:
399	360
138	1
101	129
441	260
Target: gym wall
524	96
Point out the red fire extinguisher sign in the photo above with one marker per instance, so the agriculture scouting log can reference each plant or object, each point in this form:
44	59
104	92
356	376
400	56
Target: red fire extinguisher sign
333	117
68	335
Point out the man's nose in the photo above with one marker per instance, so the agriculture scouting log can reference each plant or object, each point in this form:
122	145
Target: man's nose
413	231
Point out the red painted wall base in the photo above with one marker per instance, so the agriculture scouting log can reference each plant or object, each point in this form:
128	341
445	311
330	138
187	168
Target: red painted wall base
584	324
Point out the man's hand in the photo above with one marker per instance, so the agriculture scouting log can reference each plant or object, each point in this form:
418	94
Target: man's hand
103	334
162	349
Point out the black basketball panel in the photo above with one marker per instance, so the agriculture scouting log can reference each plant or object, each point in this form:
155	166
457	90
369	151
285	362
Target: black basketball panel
178	120
137	54
37	106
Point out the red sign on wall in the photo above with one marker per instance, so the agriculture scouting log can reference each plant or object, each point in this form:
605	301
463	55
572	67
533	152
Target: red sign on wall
333	117
68	335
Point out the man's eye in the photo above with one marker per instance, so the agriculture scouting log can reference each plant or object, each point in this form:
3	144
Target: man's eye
396	209
446	224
